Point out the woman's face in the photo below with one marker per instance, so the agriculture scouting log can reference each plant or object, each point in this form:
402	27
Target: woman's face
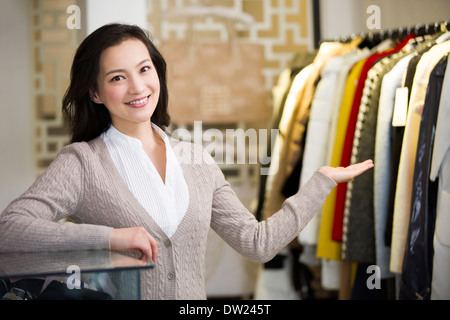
127	83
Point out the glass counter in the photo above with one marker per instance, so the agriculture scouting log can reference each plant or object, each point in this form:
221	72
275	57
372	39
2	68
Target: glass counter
70	275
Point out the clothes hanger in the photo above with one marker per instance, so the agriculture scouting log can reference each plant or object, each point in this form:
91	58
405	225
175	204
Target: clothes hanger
393	34
444	26
371	39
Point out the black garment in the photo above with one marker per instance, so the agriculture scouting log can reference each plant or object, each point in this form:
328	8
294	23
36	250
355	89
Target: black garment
59	291
4	286
302	277
418	260
31	289
397	138
292	183
396	147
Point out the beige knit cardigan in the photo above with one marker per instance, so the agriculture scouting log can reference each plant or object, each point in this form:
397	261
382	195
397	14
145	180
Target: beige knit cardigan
83	183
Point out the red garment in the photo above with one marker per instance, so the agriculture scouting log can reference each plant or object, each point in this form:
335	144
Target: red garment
341	190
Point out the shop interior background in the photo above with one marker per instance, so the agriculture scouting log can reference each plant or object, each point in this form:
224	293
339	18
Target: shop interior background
37	47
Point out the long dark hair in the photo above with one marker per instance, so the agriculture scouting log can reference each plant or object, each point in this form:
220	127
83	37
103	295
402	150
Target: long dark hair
88	119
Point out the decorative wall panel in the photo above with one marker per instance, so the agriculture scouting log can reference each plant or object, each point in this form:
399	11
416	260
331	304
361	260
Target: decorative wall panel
281	26
53	46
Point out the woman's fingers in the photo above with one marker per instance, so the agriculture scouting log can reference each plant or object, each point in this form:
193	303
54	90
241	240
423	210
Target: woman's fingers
345	174
135	239
154	246
151	248
146	244
361	167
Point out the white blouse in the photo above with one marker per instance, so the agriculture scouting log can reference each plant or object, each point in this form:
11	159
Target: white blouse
166	203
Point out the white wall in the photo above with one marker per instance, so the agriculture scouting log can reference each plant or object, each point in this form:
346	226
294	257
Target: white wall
16	112
100	12
340	18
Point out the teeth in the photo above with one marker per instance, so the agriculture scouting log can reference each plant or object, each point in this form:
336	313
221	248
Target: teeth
138	101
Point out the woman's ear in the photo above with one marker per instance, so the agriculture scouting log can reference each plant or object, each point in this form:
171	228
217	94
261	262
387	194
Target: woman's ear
94	97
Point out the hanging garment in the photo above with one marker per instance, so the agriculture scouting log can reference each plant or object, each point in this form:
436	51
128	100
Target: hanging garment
293	125
384	141
350	131
396	147
358	231
279	94
348	62
273	195
382	171
273	278
348	139
398	132
322	123
359	235
440	172
327	247
419	245
402	204
273	281
319	130
295	148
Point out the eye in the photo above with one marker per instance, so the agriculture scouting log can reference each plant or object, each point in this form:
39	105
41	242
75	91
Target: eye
145	69
116	78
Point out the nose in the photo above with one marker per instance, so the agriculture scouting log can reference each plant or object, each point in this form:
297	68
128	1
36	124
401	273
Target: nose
136	85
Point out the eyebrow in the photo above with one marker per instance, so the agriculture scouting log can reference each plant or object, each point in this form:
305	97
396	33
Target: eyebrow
123	70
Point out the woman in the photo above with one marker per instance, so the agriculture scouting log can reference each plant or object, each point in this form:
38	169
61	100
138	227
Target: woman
128	186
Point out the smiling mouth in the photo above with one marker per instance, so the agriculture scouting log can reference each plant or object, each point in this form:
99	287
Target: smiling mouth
138	102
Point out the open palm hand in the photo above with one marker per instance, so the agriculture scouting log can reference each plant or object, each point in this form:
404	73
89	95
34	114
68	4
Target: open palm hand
345	174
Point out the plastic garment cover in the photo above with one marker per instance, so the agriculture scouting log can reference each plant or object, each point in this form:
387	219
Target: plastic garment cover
417	265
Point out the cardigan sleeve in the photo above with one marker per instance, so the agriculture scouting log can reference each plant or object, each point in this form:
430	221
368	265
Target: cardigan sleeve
257	240
32	222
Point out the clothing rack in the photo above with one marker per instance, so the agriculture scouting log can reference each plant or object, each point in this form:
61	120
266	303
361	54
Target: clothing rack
373	38
344	90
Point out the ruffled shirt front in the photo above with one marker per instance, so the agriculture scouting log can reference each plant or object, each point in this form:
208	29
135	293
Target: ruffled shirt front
167	202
